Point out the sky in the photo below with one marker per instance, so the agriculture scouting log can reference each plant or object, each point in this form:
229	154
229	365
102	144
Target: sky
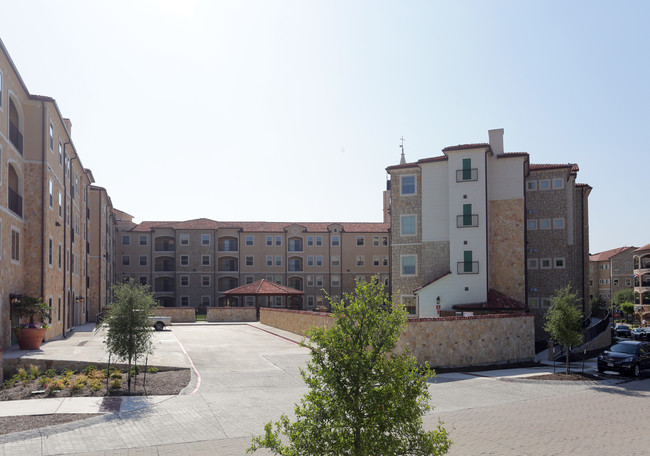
291	111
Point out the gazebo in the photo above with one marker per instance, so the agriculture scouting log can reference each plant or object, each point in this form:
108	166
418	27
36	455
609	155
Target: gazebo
269	289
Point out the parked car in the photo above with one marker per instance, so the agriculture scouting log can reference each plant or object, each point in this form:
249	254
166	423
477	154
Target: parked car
627	357
623	331
639	333
160	322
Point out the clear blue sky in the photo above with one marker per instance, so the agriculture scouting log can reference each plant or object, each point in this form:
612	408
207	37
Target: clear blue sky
291	110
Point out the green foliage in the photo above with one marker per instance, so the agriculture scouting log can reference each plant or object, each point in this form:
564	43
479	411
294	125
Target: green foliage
129	333
95	384
50	373
89	369
38	311
22	373
152	370
622	296
563	320
115	384
627	308
33	370
363	398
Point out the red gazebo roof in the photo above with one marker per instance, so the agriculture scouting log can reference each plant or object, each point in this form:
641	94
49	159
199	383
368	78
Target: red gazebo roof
263	288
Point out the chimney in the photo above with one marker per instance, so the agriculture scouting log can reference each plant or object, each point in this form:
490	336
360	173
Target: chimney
496	140
68	125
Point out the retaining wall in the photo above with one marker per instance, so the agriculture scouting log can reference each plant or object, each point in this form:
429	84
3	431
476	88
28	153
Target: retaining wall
231	314
443	342
178	314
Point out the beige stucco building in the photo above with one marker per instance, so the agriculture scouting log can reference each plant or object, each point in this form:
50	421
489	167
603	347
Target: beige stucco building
191	263
609	272
641	259
478	228
44	202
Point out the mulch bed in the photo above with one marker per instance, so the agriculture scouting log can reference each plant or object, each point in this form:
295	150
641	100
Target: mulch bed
563	376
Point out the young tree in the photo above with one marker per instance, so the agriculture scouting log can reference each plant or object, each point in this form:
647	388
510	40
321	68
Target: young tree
621	296
129	332
363	398
627	308
563	320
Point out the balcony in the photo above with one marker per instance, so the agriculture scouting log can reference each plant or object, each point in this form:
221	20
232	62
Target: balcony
466	221
228	244
16	137
228	265
165	244
467	267
295	245
227	283
15	202
467	175
295	265
165	265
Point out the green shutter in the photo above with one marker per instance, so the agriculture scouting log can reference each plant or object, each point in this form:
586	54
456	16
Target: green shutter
467	214
467	168
467	258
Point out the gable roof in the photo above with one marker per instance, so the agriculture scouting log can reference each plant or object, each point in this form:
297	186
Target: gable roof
279	227
607	254
546	166
263	287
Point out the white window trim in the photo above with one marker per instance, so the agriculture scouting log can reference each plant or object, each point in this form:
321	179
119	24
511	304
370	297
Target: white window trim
336	281
336	261
532	227
555	260
269	260
180	260
558	220
533	187
180	301
361	238
401	225
209	239
209	300
184	239
415	185
360	261
541	263
540	184
556	179
180	280
202	279
401	265
252	239
533	302
146	240
543	221
209	263
533	263
252	258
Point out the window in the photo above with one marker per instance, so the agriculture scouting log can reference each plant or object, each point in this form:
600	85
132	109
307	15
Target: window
384	260
60	206
409	303
126	260
532	224
205	301
310	241
51	137
185	239
545	263
335	260
319	281
249	260
375	260
278	260
143	239
407	225
269	260
628	282
185	260
375	241
468	263
310	261
319	241
278	280
319	260
51	193
205	280
544	184
278	240
558	223
205	260
361	241
295	245
546	302
384	241
544	224
558	183
49	252
143	260
143	280
205	239
533	302
531	186
126	239
408	185
249	279
60	153
408	265
310	281
467	218
615	282
336	281
591	282
558	263
533	263
60	247
269	240
361	260
185	281
185	301
249	240
336	241
467	169
310	301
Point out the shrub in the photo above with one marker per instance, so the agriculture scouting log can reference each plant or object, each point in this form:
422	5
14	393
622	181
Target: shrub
55	386
89	370
115	384
95	385
152	370
51	373
116	374
33	370
78	383
11	382
22	373
98	374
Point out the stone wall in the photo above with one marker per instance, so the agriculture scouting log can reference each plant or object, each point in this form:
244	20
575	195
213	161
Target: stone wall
507	248
295	321
178	314
443	342
232	314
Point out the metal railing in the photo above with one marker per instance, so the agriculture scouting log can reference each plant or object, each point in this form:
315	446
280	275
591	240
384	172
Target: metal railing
467	267
15	202
466	221
467	175
16	137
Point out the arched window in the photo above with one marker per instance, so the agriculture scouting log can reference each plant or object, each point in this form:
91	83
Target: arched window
15	127
15	198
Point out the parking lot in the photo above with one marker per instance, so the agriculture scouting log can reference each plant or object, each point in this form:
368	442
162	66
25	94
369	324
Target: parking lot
249	374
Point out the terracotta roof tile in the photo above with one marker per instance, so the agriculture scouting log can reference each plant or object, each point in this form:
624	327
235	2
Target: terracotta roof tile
607	254
263	288
208	224
641	249
513	154
544	166
466	146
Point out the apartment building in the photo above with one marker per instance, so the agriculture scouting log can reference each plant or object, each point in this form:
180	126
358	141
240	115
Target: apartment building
191	263
641	259
472	232
44	220
609	272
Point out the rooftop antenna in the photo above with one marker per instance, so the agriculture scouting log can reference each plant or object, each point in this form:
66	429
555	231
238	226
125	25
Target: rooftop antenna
403	159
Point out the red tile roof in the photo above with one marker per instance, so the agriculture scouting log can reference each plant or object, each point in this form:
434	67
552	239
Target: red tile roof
607	254
496	301
540	167
263	288
208	224
513	154
466	146
641	249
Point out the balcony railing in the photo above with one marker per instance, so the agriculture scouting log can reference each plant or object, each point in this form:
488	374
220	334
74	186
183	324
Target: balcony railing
468	267
165	289
229	266
16	137
295	267
467	175
15	202
466	221
165	247
228	248
166	267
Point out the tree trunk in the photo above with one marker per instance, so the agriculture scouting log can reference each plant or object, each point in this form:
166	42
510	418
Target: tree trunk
568	364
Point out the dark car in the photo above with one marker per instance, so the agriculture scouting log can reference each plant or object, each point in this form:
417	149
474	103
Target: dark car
628	357
623	331
639	333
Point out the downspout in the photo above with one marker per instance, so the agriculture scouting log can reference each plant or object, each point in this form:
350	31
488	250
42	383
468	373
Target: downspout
582	249
43	203
487	228
72	228
65	239
100	256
